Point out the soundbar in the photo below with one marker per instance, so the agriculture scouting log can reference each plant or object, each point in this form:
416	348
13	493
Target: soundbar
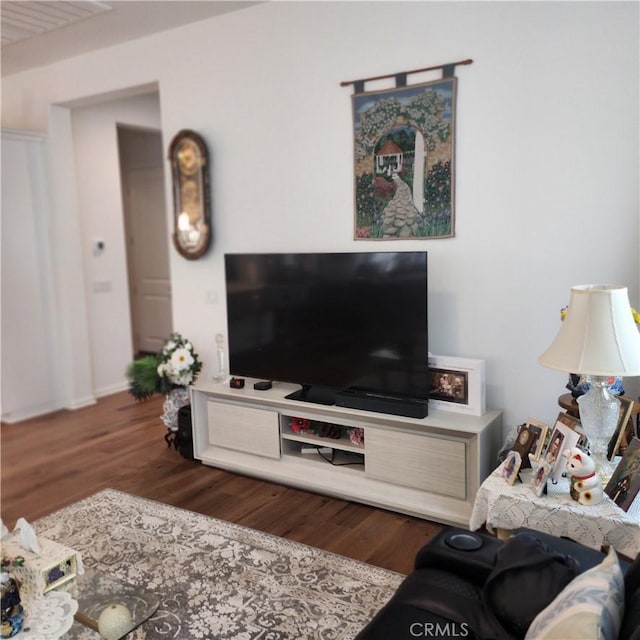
380	403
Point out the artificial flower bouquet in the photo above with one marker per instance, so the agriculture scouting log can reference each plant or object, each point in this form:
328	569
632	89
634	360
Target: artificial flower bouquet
179	363
176	366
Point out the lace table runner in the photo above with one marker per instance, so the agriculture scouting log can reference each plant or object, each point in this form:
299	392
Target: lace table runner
48	617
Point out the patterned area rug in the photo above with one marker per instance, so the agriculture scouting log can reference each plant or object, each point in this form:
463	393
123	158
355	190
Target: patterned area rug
216	579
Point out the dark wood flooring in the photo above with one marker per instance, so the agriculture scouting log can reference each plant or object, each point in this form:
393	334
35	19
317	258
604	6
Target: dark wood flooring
51	461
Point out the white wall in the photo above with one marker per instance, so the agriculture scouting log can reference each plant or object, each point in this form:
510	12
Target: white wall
546	166
100	201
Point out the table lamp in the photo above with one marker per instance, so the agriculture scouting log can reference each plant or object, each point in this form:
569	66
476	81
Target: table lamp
598	339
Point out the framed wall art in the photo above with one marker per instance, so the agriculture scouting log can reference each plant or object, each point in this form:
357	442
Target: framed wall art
404	161
189	160
457	384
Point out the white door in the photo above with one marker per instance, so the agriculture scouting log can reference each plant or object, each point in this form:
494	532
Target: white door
148	258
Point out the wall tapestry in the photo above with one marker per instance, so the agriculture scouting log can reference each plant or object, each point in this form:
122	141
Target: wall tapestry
404	161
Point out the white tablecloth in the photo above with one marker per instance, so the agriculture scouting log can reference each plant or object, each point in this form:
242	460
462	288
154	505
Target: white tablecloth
501	506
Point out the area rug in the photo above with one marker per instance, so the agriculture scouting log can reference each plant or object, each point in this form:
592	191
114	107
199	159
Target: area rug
219	580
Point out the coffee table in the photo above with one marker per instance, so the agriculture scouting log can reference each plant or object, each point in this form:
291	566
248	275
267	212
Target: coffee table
95	590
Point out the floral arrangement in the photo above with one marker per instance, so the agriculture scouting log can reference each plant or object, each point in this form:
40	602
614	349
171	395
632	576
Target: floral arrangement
179	363
176	366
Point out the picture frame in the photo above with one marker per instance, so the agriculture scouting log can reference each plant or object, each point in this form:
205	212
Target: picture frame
624	484
511	467
457	384
562	438
539	431
624	431
574	423
540	477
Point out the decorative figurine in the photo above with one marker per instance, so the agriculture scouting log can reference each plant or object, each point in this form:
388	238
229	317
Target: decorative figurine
586	487
11	611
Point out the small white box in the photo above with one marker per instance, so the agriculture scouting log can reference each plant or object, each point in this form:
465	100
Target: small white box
41	572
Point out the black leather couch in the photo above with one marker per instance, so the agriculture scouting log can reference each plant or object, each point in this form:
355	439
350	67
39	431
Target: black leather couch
448	594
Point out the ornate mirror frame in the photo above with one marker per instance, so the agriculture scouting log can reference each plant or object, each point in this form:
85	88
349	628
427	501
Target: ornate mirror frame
191	195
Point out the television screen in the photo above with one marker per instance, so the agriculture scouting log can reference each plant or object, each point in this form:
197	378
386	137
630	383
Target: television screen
330	321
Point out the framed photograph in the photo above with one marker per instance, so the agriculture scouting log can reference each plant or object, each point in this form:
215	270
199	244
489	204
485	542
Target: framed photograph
511	466
624	431
540	477
574	423
457	384
562	438
624	484
524	443
539	433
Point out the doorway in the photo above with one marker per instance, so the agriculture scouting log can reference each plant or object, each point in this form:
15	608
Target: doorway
147	245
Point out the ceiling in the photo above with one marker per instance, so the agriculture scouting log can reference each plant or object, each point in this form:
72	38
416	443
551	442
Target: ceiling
36	33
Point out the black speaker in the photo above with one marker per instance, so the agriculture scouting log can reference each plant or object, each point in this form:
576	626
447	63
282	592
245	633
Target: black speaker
184	435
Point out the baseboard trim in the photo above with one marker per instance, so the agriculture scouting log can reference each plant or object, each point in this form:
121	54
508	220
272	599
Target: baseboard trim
111	389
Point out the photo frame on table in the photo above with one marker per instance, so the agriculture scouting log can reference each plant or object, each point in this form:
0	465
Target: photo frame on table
540	477
457	384
574	423
562	438
511	466
624	484
539	431
624	430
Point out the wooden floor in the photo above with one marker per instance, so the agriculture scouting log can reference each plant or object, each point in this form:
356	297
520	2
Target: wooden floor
52	461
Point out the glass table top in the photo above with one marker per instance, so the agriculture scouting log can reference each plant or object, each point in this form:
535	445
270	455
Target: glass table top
95	591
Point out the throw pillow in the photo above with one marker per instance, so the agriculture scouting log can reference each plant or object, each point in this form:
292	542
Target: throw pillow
591	606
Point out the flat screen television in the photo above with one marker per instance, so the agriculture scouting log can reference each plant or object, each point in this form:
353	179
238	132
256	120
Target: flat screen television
347	327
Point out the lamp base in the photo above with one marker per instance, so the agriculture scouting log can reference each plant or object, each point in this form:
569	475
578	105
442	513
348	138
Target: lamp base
599	411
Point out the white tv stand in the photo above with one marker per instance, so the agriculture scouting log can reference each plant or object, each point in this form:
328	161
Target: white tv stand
429	467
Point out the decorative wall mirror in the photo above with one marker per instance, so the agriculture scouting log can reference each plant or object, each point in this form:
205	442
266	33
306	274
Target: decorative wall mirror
191	199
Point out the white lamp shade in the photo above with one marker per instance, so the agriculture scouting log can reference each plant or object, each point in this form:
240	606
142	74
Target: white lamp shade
598	337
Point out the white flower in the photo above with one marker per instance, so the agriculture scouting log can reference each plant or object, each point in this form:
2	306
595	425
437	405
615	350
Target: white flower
181	359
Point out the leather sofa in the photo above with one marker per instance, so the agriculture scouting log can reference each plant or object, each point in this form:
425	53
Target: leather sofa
470	585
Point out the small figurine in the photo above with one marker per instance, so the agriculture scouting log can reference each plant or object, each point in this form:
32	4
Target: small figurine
586	487
11	611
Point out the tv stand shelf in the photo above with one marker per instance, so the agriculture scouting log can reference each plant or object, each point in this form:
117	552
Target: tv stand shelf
428	467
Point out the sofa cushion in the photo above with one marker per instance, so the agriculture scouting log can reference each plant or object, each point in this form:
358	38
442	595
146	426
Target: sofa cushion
591	606
526	577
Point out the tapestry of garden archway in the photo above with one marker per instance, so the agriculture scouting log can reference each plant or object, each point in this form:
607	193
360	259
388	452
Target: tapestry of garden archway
404	161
